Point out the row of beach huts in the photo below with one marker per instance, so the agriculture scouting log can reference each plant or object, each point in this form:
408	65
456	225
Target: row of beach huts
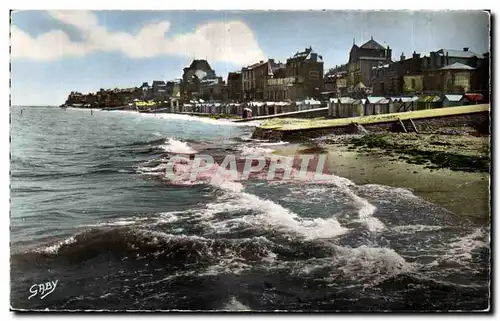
337	107
255	108
349	107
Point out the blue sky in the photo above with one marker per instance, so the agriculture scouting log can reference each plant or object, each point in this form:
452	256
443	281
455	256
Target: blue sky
54	53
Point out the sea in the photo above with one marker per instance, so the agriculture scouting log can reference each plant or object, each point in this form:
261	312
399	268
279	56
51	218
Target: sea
95	225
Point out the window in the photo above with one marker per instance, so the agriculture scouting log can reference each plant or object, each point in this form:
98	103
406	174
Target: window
413	83
314	75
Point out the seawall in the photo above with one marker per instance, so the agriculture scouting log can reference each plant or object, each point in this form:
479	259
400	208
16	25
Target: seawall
309	113
477	117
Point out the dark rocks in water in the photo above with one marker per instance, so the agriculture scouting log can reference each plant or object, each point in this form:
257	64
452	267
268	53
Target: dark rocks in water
267	134
314	150
414	154
360	129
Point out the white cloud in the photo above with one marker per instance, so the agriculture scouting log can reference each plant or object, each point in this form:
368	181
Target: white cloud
231	41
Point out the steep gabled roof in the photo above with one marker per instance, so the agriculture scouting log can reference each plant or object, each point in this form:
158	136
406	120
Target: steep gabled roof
376	100
313	56
346	100
372	44
303	54
360	85
457	66
453	97
474	97
200	64
256	65
429	99
309	55
459	53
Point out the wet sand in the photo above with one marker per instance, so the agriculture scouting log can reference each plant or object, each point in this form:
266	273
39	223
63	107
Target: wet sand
463	193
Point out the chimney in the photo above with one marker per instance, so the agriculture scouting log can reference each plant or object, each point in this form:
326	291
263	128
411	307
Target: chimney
416	55
402	56
466	49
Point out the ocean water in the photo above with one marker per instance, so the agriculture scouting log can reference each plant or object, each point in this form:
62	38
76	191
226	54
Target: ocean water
92	212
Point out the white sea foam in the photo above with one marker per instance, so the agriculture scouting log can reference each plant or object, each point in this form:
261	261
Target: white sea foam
246	150
230	186
176	146
365	208
272	216
365	212
168	217
157	236
235	305
307	194
117	223
158	170
460	250
410	229
53	249
120	222
363	265
370	262
227	265
378	190
273	144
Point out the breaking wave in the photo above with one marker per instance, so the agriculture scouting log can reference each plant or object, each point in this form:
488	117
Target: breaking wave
139	243
175	146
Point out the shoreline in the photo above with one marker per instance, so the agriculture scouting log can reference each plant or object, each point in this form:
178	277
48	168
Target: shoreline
465	194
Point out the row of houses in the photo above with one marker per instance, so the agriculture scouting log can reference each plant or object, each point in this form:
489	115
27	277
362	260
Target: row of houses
104	98
374	105
301	77
161	90
370	70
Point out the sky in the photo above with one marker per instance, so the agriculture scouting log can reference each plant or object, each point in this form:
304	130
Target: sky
56	52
